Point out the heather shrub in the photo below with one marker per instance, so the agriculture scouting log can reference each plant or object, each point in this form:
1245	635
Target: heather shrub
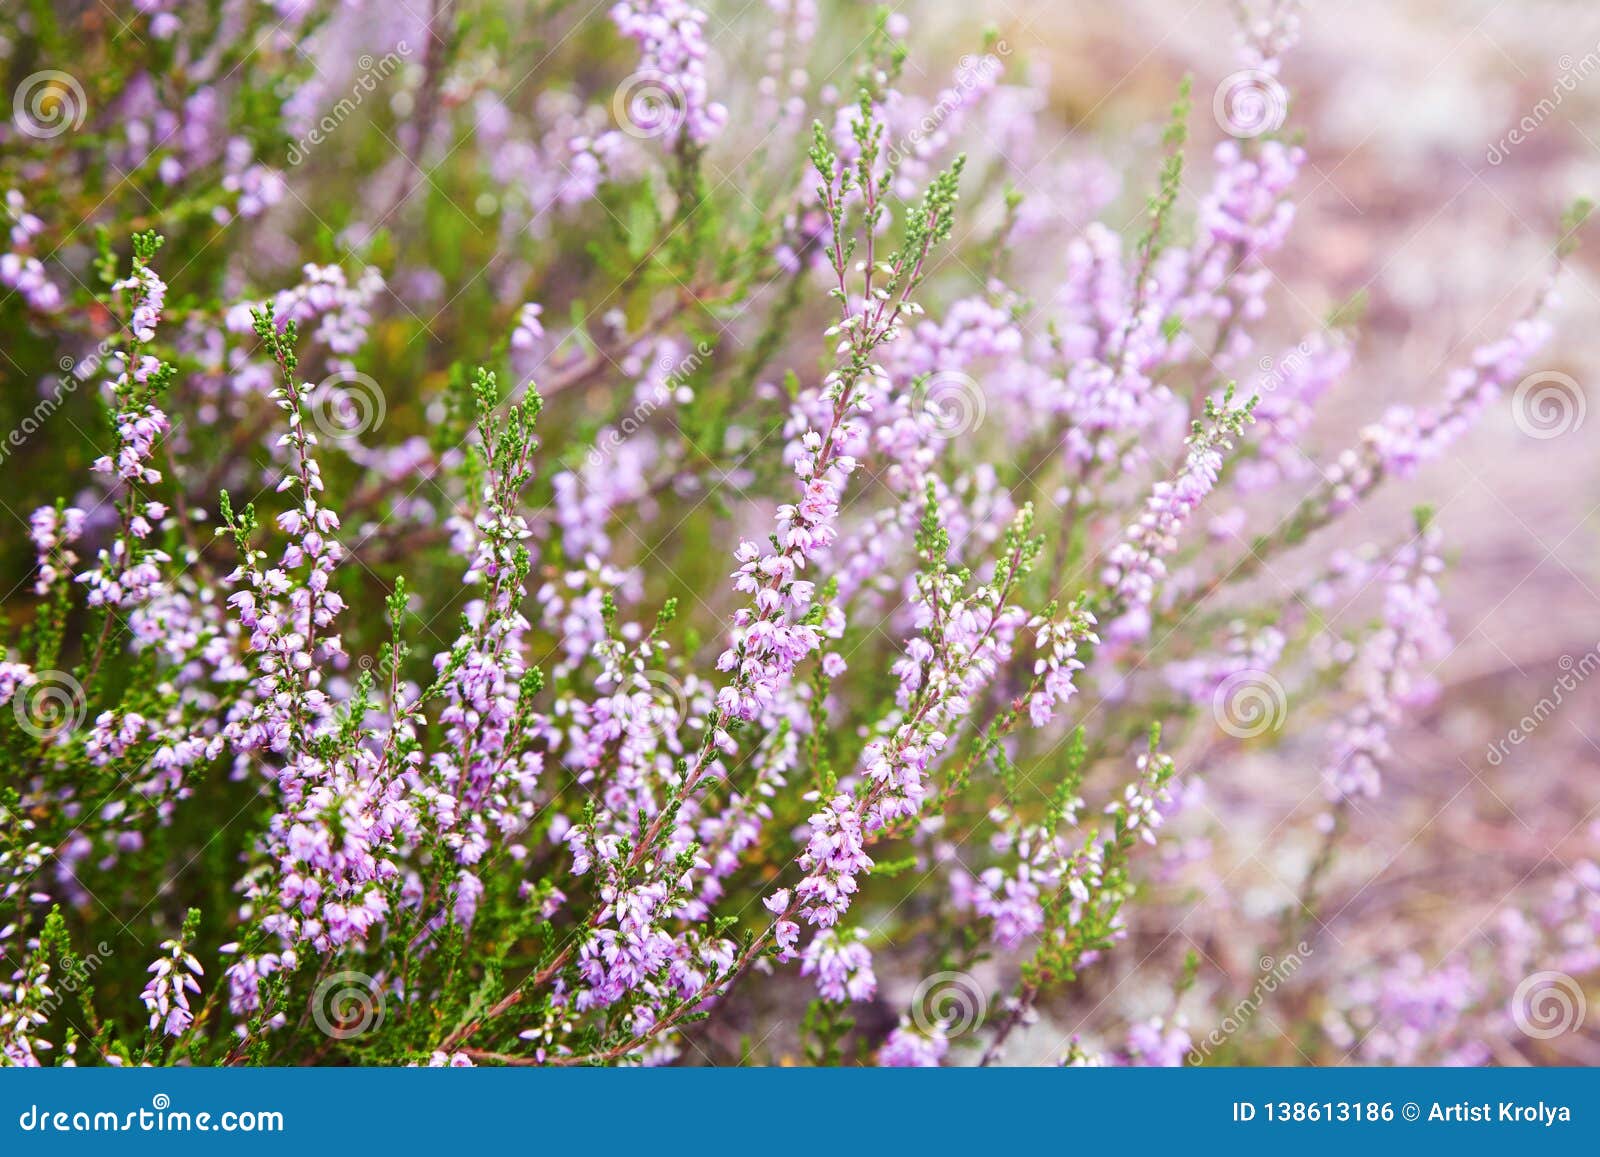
545	538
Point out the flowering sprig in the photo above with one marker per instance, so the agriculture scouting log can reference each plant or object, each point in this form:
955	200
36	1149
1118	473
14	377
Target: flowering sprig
284	615
1082	903
670	94
1392	672
128	572
486	775
174	978
965	639
1137	564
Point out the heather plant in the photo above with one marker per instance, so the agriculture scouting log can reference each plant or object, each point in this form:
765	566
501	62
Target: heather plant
534	546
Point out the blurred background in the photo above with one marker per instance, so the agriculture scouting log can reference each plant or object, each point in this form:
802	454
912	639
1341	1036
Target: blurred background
1418	196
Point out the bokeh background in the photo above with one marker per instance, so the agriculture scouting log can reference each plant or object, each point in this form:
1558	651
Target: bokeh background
1418	203
1414	197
